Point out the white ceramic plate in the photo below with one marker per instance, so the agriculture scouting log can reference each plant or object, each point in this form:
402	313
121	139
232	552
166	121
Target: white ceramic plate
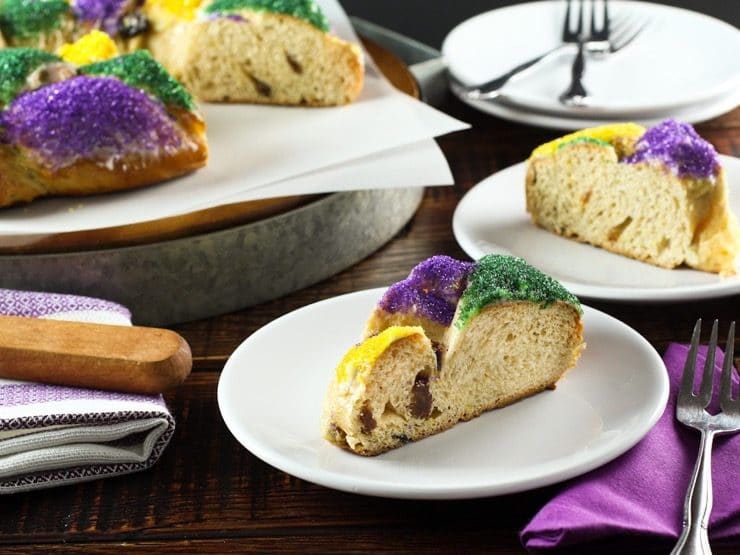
492	217
679	59
691	114
272	388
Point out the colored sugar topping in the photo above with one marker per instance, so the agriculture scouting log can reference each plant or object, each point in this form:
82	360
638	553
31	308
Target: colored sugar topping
679	147
230	16
168	11
142	71
358	361
579	140
307	10
29	18
89	117
15	66
508	278
432	289
95	46
102	13
605	133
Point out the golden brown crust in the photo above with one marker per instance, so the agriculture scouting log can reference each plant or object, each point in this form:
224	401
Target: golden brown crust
22	178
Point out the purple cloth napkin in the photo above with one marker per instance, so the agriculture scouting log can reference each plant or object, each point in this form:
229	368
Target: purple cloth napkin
641	493
53	435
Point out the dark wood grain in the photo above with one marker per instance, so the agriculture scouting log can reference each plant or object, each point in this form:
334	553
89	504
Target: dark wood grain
207	494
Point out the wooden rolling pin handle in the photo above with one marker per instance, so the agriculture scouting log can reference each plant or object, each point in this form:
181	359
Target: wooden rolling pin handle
130	359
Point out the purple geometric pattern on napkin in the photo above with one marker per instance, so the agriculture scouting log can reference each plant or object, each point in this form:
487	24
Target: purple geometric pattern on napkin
34	393
36	304
78	473
638	497
82	419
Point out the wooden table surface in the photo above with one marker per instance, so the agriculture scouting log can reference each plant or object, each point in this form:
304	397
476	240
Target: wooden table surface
208	494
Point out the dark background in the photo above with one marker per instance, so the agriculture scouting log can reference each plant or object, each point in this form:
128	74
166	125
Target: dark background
430	20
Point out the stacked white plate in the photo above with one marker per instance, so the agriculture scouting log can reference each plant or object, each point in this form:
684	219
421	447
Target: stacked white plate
682	65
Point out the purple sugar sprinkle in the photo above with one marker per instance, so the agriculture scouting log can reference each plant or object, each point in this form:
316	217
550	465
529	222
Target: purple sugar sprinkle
96	118
679	147
231	17
432	289
100	12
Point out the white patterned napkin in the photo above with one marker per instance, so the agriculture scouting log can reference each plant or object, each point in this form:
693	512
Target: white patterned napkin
53	435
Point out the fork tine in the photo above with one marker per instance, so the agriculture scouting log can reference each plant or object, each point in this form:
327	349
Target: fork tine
620	27
707	381
725	390
593	18
600	32
687	381
566	22
626	34
579	29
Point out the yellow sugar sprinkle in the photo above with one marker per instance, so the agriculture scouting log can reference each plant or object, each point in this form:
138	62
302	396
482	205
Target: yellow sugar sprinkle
360	358
165	13
606	133
95	46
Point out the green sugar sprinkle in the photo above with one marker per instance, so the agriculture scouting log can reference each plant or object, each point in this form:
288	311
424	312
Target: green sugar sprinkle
508	278
307	10
142	71
29	18
16	64
583	140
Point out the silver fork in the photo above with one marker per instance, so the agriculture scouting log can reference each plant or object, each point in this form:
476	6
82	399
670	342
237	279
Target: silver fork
690	410
576	94
605	39
492	89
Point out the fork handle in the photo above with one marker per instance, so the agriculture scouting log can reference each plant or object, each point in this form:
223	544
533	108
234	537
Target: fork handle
697	507
491	89
576	93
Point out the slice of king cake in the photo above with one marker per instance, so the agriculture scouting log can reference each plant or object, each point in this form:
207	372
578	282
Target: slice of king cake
453	340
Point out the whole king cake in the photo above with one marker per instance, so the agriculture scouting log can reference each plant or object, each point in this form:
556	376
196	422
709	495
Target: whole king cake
91	121
453	340
263	51
657	195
